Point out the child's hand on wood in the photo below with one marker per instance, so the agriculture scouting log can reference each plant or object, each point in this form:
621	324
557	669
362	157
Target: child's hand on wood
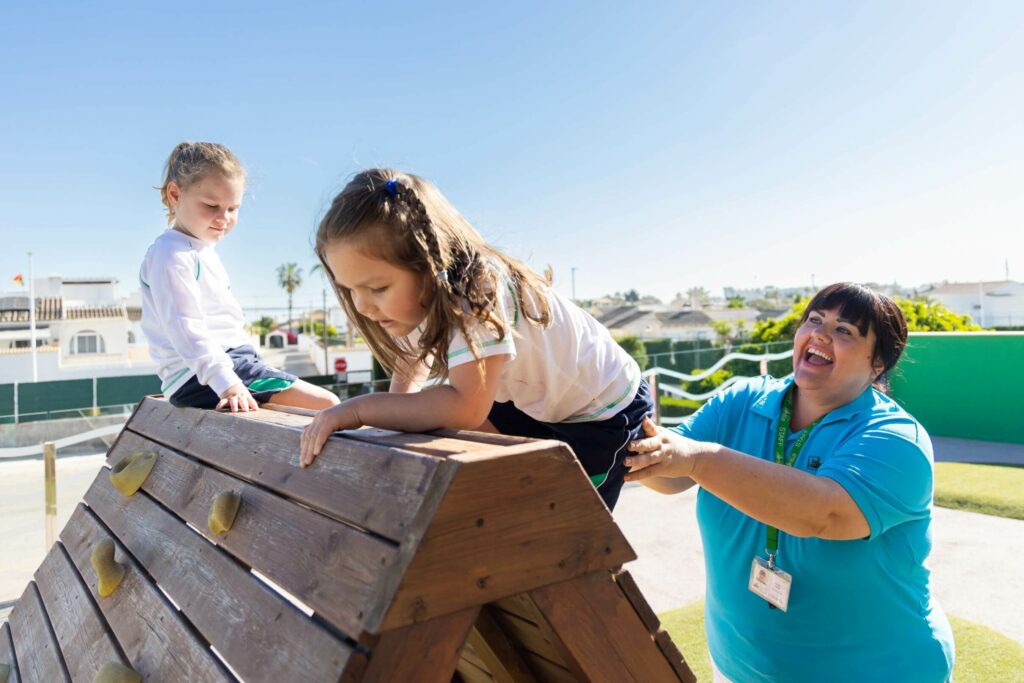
237	397
328	421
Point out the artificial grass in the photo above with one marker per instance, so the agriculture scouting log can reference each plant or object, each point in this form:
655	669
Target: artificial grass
982	655
988	489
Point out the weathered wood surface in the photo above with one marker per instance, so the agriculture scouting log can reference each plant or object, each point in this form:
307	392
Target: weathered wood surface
440	442
550	526
333	568
7	656
662	639
374	487
254	629
161	645
601	631
426	652
500	656
39	658
80	628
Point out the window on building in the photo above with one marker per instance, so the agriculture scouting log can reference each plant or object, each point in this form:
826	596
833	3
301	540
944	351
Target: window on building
86	342
131	337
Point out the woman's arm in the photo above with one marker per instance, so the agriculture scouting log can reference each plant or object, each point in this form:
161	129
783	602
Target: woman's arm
794	501
464	403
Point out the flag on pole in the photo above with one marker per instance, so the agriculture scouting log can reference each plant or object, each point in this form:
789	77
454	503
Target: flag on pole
19	280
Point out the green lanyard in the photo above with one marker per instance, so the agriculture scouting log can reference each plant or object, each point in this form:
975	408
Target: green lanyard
772	544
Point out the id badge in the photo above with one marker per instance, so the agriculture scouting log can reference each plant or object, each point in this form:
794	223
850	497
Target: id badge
770	583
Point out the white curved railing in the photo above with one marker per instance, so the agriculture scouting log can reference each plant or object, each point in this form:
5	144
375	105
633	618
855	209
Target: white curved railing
679	392
25	451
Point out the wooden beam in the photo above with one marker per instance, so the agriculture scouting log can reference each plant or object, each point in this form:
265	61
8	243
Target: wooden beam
426	652
602	632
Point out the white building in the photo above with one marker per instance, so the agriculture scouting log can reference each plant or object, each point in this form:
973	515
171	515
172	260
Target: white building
83	329
990	304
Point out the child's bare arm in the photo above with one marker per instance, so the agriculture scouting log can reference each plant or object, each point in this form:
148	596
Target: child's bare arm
410	378
464	403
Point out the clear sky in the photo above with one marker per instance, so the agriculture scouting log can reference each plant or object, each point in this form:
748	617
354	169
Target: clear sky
650	145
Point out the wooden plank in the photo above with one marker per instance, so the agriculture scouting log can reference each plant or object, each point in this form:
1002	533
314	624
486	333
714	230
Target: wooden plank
85	642
550	526
373	487
333	568
427	652
501	657
258	633
35	646
430	443
7	657
628	586
472	673
675	658
601	631
549	672
530	636
159	642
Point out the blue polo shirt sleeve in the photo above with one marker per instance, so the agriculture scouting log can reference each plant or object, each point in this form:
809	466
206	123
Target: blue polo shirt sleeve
887	470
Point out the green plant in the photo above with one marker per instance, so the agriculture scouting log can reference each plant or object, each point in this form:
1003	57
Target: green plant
634	346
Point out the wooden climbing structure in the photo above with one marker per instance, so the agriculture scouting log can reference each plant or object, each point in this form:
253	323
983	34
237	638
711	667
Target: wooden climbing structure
421	558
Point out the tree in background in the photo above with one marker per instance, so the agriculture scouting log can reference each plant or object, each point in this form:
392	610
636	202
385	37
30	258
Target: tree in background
723	330
922	315
262	327
289	277
698	296
634	346
925	315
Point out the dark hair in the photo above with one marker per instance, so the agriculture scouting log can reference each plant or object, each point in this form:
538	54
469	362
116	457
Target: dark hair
403	219
867	309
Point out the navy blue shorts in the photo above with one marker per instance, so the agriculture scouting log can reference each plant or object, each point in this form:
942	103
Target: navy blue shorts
599	446
262	381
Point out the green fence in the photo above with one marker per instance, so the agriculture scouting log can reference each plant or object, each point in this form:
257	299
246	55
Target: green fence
965	385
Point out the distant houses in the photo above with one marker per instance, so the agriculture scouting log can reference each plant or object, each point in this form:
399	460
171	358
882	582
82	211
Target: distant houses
83	329
998	303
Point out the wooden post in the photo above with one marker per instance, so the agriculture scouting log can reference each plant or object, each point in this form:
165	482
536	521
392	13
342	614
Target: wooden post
50	479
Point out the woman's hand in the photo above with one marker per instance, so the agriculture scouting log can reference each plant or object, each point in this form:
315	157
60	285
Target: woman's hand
662	453
328	421
237	397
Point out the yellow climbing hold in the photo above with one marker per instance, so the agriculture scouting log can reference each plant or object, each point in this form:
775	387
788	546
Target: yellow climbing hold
223	511
115	672
108	571
127	476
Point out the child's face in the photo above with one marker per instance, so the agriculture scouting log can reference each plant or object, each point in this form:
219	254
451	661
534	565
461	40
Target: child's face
394	297
208	209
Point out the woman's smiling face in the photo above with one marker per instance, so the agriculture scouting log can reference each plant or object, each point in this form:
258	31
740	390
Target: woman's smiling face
831	354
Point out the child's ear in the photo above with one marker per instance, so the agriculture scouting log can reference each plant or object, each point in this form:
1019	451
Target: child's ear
173	193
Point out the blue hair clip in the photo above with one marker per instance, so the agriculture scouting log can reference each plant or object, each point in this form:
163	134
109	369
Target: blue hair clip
392	187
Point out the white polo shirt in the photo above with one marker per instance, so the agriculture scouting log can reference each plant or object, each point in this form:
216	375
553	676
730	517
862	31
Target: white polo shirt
570	371
189	315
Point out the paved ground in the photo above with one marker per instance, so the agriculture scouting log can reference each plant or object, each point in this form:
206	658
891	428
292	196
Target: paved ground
290	360
948	449
975	560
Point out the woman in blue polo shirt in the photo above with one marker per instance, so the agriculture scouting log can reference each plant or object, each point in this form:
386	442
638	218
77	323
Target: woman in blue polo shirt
814	509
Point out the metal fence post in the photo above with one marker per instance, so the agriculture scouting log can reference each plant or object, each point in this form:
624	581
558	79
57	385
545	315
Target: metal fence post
15	403
50	477
652	381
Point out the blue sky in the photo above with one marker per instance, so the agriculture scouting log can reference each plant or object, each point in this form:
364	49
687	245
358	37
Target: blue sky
657	146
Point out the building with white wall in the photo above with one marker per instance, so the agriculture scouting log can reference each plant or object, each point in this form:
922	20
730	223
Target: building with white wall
83	329
997	303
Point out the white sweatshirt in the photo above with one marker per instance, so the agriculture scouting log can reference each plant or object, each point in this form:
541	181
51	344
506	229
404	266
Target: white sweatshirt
189	315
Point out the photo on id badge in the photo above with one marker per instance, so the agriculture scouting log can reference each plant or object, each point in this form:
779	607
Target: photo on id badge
770	583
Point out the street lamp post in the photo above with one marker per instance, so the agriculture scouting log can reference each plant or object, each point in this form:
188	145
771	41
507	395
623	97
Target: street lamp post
573	271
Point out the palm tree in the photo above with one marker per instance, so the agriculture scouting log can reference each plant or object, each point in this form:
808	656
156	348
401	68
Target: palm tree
289	276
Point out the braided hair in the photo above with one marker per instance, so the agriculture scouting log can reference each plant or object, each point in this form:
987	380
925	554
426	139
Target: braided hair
405	220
